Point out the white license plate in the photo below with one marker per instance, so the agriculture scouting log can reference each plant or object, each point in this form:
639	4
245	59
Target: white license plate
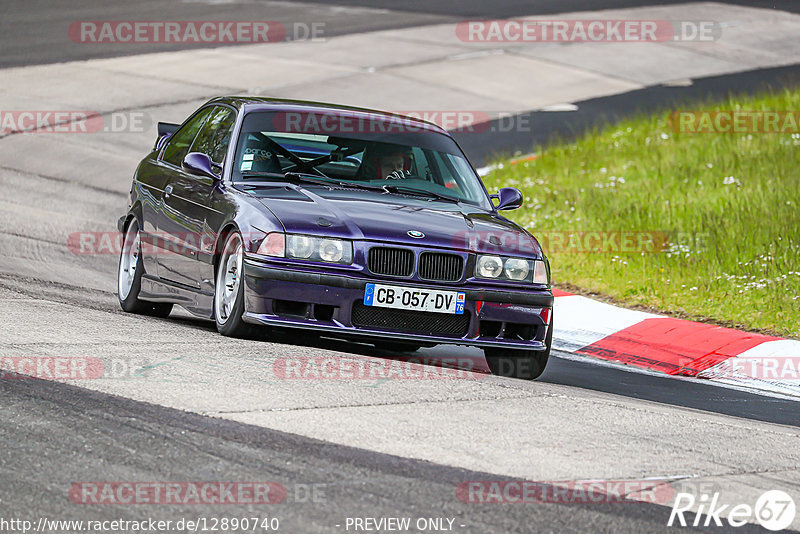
414	298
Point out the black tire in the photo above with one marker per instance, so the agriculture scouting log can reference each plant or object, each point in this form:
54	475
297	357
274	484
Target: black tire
229	301
394	346
524	364
130	302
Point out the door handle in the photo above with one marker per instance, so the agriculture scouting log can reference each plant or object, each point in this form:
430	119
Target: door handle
167	191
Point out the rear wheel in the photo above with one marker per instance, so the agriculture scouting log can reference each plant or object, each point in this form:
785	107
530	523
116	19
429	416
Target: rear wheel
129	276
229	289
525	364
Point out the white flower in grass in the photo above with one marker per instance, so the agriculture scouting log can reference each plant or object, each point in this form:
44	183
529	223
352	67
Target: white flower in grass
728	180
664	136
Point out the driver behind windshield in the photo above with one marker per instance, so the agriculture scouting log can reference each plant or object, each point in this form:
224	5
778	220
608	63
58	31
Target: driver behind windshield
385	162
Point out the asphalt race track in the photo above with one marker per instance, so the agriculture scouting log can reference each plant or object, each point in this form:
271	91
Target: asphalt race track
190	405
32	32
139	441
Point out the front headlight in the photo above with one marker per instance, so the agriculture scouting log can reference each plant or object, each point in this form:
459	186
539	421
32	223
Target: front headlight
489	266
515	269
331	250
299	246
306	247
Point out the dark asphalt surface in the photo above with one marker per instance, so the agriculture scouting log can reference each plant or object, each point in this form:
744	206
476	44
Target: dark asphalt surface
513	8
543	127
685	393
56	435
36	31
692	394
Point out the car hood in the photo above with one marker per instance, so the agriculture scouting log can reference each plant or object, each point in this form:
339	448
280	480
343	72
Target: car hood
373	216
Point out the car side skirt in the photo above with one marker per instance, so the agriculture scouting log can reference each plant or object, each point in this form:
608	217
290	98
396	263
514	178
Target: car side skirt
155	289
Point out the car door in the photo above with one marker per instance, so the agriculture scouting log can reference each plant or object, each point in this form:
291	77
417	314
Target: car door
188	205
159	173
213	140
172	221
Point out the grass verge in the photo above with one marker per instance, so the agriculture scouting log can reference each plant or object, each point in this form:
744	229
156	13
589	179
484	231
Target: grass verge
703	225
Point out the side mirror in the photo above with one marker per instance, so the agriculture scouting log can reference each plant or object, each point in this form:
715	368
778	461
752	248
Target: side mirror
508	198
199	164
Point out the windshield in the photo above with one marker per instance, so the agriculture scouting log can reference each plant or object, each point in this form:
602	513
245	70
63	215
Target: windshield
375	152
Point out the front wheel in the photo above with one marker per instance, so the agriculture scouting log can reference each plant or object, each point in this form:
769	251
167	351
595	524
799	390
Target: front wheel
229	289
525	364
129	277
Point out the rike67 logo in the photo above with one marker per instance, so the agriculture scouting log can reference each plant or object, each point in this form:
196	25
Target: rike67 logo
774	510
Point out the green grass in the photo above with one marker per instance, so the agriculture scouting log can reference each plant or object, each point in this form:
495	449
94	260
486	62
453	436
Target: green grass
728	203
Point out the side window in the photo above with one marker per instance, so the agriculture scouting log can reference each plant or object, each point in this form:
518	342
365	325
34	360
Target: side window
420	166
179	143
215	135
447	173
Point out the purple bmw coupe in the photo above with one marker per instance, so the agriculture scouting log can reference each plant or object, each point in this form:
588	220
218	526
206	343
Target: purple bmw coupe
349	222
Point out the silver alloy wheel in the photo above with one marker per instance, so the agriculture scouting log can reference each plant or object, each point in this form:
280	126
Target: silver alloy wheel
229	276
128	261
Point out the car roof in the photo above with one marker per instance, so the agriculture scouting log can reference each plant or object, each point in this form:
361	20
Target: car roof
259	103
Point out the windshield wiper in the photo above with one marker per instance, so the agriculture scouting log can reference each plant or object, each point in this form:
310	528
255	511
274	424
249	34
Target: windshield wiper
319	180
294	176
313	179
403	189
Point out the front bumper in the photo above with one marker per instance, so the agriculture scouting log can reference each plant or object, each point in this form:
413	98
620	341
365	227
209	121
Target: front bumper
327	302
